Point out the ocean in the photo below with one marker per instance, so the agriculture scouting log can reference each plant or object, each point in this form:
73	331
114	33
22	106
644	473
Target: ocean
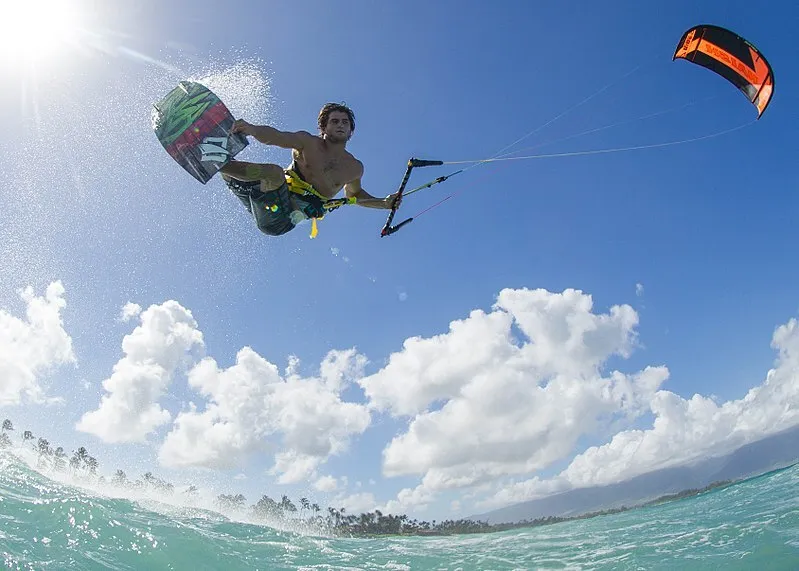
54	524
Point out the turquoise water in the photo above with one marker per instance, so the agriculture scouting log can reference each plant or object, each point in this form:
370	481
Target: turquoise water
46	524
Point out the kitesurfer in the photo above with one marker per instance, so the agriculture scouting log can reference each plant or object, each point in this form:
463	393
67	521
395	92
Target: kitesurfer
321	166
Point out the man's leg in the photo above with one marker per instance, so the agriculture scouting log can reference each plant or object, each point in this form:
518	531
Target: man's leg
266	196
271	176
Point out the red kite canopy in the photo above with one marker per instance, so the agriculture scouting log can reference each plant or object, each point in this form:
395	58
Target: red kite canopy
732	57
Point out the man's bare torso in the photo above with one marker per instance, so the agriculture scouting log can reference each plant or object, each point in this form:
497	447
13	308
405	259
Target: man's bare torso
326	169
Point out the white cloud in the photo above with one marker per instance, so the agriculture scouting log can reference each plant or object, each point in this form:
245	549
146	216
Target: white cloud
250	402
684	430
410	500
363	502
32	347
510	391
486	405
294	466
154	351
639	289
326	484
129	311
687	429
427	370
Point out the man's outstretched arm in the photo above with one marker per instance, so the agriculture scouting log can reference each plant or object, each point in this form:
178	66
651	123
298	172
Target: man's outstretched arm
363	198
271	136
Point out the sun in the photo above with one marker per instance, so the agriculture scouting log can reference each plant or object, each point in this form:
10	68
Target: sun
37	32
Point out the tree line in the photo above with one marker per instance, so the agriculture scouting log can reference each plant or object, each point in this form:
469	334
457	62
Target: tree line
268	509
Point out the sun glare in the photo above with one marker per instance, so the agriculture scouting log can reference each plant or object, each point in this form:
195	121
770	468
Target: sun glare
37	31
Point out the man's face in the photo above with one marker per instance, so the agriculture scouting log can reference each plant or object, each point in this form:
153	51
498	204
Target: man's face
338	128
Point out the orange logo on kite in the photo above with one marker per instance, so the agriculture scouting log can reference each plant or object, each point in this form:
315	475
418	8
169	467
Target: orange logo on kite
688	39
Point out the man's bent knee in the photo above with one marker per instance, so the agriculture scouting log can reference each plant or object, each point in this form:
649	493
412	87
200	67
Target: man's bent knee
272	177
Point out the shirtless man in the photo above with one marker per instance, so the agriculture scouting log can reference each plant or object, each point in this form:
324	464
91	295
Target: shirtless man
321	161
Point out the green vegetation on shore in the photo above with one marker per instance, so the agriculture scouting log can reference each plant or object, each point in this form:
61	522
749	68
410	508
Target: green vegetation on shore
82	465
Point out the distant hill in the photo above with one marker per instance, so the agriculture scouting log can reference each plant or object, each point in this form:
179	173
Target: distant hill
772	452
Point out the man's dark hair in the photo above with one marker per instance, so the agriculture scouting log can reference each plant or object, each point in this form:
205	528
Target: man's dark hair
324	115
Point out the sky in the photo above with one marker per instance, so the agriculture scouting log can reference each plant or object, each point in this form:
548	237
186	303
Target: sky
556	322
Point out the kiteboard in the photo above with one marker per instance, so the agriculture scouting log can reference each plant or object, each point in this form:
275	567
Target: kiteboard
193	125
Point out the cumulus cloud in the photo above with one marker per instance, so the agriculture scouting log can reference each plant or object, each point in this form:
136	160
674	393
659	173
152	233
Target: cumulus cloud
687	429
326	484
34	346
484	407
248	408
251	407
684	430
165	341
357	503
410	500
510	391
129	311
507	393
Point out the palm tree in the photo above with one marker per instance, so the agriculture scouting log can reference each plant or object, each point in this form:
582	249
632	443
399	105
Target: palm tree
5	441
82	454
58	459
223	500
27	435
315	508
44	450
79	458
158	484
44	447
120	478
233	502
238	501
304	505
286	505
266	506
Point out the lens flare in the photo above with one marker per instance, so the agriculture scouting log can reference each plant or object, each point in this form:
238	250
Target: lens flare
37	32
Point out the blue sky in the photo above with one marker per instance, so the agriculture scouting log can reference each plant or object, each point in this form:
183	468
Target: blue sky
694	242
